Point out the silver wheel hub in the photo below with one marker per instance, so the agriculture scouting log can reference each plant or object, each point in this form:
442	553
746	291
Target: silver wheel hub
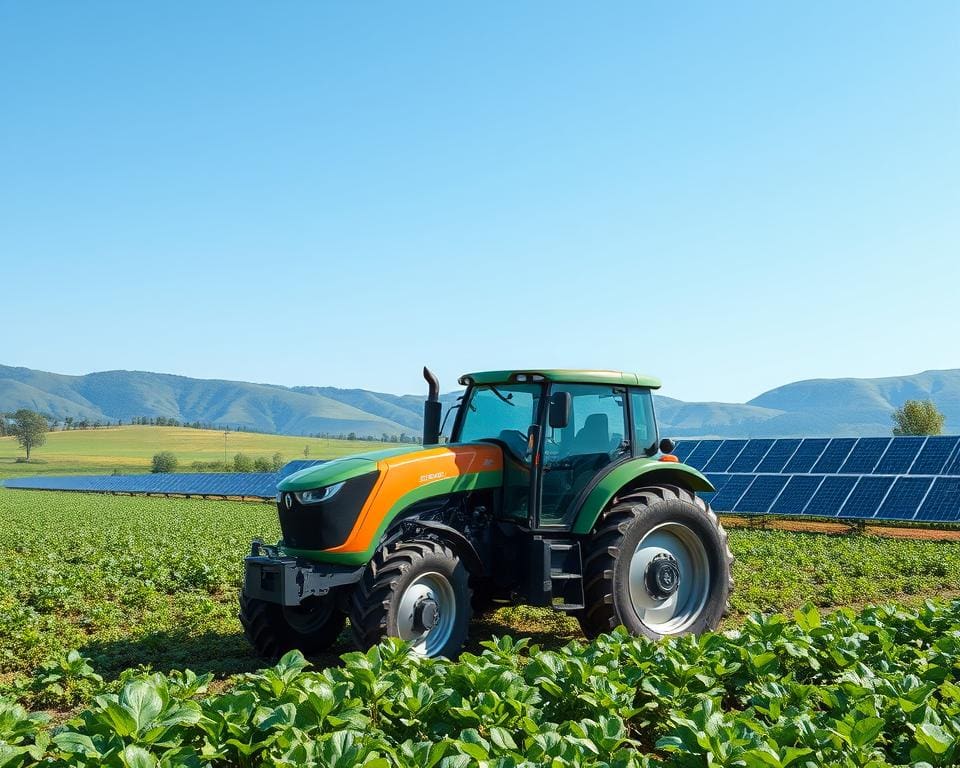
669	578
426	613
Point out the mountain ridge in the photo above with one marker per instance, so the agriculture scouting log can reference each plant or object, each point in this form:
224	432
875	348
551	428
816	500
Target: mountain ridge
821	407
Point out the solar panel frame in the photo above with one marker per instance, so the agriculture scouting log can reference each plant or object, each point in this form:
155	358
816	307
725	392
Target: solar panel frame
905	498
796	495
866	497
865	456
684	448
702	454
942	502
761	493
725	500
831	495
833	455
809	452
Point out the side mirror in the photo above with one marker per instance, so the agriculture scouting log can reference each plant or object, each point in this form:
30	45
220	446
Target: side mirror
560	406
667	445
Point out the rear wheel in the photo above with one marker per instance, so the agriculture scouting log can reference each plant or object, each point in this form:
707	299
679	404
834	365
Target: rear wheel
275	629
418	591
658	563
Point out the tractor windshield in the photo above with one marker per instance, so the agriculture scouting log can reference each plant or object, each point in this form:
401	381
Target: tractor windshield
501	412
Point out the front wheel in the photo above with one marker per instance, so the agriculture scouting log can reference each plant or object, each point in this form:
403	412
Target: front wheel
275	629
657	563
418	591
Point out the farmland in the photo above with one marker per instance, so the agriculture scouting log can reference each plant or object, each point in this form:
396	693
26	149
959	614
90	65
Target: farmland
105	600
129	449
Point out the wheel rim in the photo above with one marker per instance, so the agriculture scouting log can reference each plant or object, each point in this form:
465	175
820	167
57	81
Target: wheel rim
670	557
426	613
309	617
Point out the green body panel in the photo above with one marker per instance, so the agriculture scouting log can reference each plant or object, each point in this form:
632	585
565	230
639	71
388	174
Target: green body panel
625	474
469	482
338	470
566	376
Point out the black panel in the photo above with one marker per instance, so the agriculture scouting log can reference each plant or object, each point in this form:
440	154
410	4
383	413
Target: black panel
806	456
324	525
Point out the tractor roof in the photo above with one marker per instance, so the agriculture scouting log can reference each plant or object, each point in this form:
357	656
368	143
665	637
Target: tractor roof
568	376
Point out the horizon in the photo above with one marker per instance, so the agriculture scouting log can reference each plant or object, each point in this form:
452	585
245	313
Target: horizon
727	197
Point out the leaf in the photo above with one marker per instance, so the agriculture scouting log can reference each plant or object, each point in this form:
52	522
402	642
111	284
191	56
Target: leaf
865	731
934	738
137	757
141	699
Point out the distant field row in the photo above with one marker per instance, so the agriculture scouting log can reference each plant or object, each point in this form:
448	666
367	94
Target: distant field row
131	448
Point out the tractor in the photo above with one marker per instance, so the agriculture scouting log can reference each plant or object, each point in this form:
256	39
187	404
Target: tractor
552	488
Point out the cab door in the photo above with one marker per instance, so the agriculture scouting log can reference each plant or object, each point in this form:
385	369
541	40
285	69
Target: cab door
596	436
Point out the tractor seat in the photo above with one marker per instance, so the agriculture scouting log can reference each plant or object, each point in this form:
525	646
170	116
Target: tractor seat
593	437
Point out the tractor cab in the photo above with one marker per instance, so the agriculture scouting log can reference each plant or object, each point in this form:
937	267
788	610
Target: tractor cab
559	431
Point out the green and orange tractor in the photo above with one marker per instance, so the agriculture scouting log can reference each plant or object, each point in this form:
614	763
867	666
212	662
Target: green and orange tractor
552	489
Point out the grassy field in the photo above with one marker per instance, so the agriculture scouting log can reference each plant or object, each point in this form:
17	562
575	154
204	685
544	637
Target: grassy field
130	449
147	581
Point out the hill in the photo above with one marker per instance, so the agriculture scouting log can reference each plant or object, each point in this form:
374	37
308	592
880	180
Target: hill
825	407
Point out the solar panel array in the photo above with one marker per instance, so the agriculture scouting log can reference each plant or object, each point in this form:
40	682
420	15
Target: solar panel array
247	484
867	478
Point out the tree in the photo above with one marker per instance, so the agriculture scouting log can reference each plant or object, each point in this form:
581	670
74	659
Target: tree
276	463
917	417
242	463
261	464
306	451
163	462
30	429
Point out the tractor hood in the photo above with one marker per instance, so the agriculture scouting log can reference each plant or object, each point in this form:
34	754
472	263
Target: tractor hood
339	470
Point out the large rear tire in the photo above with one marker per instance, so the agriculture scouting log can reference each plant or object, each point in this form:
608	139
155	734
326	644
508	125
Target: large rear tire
658	563
275	629
418	591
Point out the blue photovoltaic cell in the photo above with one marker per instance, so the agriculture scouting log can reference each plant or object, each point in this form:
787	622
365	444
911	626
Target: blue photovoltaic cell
796	495
684	448
904	498
717	481
866	497
899	456
865	455
942	504
750	456
295	466
777	457
724	456
761	493
806	455
831	494
257	484
702	453
933	457
834	454
725	500
953	465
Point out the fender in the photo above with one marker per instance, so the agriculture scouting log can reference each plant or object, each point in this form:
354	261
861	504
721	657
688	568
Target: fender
634	473
460	543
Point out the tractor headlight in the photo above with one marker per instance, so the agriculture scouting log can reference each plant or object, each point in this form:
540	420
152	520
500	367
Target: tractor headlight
318	495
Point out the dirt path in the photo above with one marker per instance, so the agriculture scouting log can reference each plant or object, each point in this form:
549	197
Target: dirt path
815	526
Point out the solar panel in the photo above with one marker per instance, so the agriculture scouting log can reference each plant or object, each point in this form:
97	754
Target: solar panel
761	493
865	455
702	453
807	454
953	464
834	454
724	456
904	498
866	497
795	497
778	456
899	456
830	496
751	455
727	497
253	484
934	455
295	466
684	448
942	504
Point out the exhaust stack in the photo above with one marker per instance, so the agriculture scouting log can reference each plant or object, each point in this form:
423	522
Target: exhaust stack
432	409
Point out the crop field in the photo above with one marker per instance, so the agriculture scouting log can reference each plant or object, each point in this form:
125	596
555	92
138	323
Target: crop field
130	449
105	600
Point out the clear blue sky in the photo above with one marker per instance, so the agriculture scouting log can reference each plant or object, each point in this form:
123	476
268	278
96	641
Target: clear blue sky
728	195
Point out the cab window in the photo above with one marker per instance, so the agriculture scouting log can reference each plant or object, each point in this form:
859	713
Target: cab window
501	412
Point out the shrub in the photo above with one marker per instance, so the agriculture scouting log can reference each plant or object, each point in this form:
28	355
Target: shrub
242	463
165	461
262	464
277	462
